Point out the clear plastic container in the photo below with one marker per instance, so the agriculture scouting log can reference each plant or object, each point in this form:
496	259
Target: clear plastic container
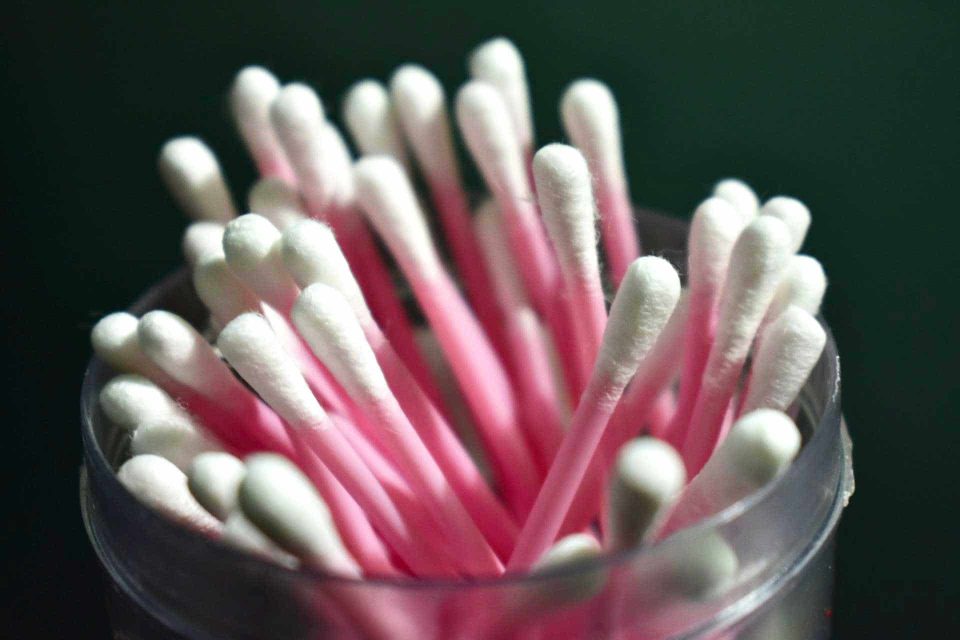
762	568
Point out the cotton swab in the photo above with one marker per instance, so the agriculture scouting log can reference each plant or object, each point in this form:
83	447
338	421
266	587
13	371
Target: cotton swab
714	229
298	120
371	121
591	119
421	106
240	533
312	255
175	438
757	263
644	303
327	322
386	196
160	485
499	63
192	174
648	479
201	239
528	352
485	122
566	202
740	195
252	348
276	201
214	480
657	371
758	448
792	213
277	498
253	91
129	400
788	350
234	415
253	251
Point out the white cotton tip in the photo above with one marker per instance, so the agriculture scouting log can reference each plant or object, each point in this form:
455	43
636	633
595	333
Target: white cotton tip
253	250
573	548
298	120
202	239
325	320
803	285
276	201
221	291
371	121
499	63
114	340
253	349
566	201
254	90
643	304
176	438
792	213
757	263
759	447
740	195
592	120
160	485
182	353
421	107
649	476
701	567
788	350
192	174
214	479
488	226
280	501
131	400
485	122
311	254
714	229
240	533
386	196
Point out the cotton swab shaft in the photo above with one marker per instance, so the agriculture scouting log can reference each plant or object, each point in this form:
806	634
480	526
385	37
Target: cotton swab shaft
644	303
528	353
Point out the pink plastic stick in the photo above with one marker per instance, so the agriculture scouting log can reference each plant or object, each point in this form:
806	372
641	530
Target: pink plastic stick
381	293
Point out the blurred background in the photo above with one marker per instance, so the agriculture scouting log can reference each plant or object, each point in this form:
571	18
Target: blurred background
851	106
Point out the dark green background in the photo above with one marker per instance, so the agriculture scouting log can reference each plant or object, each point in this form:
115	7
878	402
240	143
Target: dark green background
852	106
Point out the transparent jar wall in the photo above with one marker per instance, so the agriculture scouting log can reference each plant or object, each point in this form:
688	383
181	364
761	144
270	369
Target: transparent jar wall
761	569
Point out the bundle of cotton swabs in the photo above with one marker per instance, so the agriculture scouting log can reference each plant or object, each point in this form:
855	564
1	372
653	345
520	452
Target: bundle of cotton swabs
323	427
